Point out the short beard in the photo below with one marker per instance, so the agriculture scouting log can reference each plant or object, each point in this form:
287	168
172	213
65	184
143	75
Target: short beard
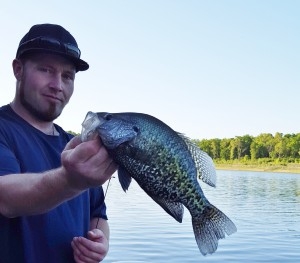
47	116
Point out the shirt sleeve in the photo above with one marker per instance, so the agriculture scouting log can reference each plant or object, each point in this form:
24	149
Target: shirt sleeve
8	161
97	204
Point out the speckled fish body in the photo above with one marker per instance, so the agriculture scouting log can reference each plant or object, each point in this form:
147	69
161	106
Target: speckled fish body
166	165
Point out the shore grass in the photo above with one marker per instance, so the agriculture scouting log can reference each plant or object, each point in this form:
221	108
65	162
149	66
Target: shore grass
276	168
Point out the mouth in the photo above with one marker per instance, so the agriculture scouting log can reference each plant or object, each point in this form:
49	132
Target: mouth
53	98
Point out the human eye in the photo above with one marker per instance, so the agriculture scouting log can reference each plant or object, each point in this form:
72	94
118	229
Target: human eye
69	76
44	69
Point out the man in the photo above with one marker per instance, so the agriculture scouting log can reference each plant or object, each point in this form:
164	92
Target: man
51	201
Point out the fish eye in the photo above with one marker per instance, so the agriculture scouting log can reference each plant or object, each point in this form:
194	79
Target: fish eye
136	129
108	117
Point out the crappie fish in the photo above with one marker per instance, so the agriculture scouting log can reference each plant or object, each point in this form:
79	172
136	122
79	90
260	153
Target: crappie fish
166	165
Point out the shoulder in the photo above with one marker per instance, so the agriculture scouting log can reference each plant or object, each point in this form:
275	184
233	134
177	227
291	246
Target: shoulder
10	123
6	113
67	134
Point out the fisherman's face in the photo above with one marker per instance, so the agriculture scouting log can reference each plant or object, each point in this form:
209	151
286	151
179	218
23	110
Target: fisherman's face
46	85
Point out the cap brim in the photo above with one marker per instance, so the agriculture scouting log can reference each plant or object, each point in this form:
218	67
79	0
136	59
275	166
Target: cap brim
80	64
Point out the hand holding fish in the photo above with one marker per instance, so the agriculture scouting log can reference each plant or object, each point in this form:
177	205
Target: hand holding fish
87	164
91	249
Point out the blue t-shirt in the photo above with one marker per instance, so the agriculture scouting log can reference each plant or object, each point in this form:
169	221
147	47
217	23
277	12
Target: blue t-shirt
45	237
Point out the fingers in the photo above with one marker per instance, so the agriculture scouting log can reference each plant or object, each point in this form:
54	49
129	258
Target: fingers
89	251
87	163
111	168
100	167
83	252
82	150
95	235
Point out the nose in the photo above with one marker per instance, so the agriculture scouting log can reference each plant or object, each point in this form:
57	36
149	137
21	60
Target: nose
56	82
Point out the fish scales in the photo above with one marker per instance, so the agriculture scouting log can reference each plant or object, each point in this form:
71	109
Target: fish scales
166	165
169	160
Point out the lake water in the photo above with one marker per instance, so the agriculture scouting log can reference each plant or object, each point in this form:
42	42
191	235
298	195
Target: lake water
264	206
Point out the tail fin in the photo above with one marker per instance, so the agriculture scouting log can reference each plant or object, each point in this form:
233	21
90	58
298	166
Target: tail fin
211	226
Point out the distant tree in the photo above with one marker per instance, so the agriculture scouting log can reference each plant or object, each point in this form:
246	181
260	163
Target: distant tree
74	133
293	145
215	148
279	150
245	145
205	146
240	146
264	145
233	149
225	149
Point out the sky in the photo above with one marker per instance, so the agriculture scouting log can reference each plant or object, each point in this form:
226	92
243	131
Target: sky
207	68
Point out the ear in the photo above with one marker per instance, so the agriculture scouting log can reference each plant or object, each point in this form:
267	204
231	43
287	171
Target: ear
17	68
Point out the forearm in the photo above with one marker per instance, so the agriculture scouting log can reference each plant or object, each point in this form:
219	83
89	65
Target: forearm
84	165
34	193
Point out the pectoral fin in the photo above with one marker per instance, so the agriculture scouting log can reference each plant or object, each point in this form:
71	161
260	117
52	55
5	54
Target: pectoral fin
124	178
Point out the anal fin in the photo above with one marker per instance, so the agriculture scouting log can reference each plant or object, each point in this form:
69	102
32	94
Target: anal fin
174	209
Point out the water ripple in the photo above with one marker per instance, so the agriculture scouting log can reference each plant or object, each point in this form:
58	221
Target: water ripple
264	206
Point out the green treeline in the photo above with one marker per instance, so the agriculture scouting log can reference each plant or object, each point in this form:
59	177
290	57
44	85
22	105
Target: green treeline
265	149
279	147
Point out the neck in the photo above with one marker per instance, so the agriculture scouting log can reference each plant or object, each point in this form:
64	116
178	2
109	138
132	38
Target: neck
44	126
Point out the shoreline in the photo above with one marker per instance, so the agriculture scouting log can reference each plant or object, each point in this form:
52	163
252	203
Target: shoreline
290	168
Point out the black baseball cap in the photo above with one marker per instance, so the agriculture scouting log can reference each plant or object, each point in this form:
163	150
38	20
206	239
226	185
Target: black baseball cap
53	39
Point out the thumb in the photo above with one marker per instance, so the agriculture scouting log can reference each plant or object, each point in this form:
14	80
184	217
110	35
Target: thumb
95	235
73	143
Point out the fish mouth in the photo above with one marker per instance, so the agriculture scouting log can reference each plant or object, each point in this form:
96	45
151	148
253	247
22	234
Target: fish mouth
89	126
112	132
